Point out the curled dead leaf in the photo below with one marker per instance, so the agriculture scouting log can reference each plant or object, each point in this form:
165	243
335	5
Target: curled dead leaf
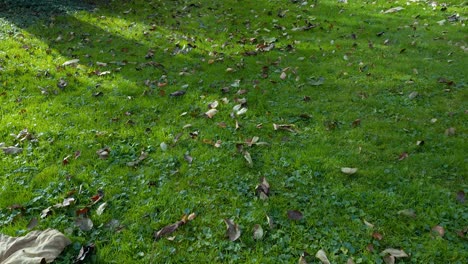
210	113
103	153
295	215
167	230
213	105
439	230
84	223
287	127
349	171
451	131
461	197
12	150
177	93
173	227
233	231
263	189
397	253
322	256
70	62
257	232
248	158
377	236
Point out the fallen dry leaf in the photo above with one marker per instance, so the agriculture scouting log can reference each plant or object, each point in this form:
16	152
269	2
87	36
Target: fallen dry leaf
101	208
349	171
263	189
377	236
12	150
461	197
177	93
439	230
283	75
213	105
403	156
302	258
397	253
71	62
393	10
408	213
270	222
173	227
248	158
85	251
287	127
368	224
232	230
103	153
32	223
210	113
84	223
257	232
167	230
46	212
295	215
188	158
66	202
142	157
322	256
389	259
451	131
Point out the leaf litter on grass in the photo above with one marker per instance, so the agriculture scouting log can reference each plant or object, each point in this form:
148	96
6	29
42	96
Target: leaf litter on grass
262	68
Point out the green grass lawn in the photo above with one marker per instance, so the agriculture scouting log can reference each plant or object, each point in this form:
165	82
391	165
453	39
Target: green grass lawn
324	87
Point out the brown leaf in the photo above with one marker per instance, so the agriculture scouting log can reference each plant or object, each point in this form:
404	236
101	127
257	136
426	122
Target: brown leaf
62	84
173	227
84	253
461	197
142	157
66	202
46	212
370	247
322	256
287	127
32	223
257	232
397	253
232	230
439	230
103	153
356	123
270	222
188	158
213	105
84	223
446	81
377	235
403	156
77	154
210	113
389	259
248	158
71	62
263	189
12	150
167	230
294	215
177	93
451	131
82	211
